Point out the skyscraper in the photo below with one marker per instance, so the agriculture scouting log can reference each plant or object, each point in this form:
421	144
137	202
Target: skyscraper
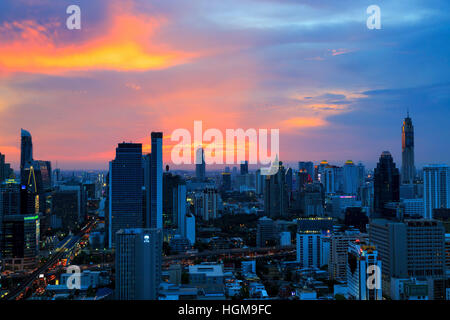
386	184
413	248
138	263
363	262
408	168
125	189
276	197
436	185
26	150
244	167
156	180
200	165
307	166
350	178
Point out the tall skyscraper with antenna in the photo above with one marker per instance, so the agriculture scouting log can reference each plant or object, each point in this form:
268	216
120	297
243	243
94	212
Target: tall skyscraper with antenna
408	172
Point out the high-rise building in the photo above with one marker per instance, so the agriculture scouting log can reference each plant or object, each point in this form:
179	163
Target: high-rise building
350	178
200	164
138	263
210	201
408	168
266	232
276	197
125	189
156	176
308	167
26	150
226	181
173	185
20	241
436	184
386	184
339	243
413	248
309	245
363	263
244	167
332	178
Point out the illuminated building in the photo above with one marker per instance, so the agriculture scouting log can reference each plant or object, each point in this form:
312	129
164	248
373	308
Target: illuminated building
20	241
436	188
386	184
138	263
308	167
309	248
339	242
276	197
413	248
156	183
125	189
200	165
26	151
363	272
408	169
350	178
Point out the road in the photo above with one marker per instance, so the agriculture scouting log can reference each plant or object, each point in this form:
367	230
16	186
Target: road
67	245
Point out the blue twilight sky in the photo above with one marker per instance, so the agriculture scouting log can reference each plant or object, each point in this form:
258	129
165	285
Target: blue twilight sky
334	88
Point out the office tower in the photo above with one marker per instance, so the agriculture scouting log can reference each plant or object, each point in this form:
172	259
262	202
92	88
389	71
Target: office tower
156	176
244	167
436	184
319	170
322	224
179	201
26	150
351	181
189	230
413	248
67	207
20	241
408	168
339	243
276	197
210	201
386	184
2	168
9	198
312	200
307	166
125	189
289	181
200	165
303	178
363	272
308	248
138	263
226	181
341	203
171	200
259	182
265	232
361	173
332	178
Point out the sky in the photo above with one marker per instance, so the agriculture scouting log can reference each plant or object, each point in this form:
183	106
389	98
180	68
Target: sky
335	89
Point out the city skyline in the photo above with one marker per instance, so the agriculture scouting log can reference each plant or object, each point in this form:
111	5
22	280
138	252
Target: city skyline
335	89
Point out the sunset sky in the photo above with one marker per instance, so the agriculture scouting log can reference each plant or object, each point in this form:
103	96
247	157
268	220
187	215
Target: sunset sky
311	68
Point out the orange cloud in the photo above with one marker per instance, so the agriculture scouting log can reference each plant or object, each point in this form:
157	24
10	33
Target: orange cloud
126	45
308	122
